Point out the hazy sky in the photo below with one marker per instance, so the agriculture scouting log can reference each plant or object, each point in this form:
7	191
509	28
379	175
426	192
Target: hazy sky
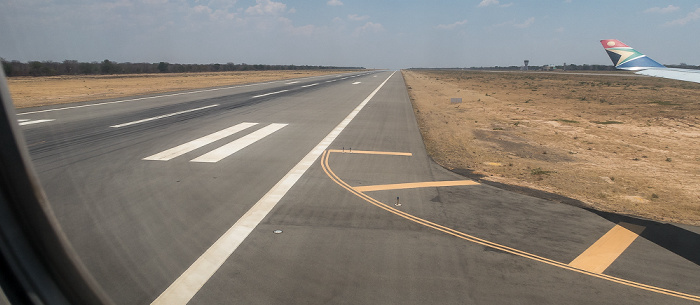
369	33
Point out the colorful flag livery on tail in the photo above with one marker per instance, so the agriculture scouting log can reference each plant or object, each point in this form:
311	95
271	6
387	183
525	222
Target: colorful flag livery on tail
626	58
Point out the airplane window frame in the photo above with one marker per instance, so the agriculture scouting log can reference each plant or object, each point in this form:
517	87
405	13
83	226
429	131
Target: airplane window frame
37	263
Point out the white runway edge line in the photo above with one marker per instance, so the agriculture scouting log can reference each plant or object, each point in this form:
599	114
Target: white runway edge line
231	148
188	284
165	95
271	93
197	143
162	116
145	98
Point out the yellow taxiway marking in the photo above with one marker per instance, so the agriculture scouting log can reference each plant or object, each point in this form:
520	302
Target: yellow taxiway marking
326	168
367	152
608	248
401	186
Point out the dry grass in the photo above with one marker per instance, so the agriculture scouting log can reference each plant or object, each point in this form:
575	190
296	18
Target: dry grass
41	91
619	144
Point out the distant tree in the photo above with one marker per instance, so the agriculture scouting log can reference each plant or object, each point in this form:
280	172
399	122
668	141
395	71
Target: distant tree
19	69
107	67
87	68
127	67
35	68
179	68
163	67
69	67
6	67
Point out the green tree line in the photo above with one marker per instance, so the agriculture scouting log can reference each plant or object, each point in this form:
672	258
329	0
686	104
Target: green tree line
107	67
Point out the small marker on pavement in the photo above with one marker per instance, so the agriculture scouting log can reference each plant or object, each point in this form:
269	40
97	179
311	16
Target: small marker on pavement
398	204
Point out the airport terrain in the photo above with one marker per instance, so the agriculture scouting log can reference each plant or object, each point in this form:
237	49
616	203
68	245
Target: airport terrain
615	142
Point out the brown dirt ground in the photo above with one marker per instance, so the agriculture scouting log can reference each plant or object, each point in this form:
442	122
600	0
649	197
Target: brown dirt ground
625	145
41	91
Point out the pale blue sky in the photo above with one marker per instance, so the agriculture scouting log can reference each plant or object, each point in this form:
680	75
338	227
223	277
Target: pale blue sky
374	34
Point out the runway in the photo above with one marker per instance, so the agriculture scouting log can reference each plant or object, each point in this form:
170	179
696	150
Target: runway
320	191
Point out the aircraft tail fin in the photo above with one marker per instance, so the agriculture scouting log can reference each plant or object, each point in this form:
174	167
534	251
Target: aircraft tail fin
626	58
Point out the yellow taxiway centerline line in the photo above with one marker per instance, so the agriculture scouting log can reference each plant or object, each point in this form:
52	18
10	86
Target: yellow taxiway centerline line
401	186
608	248
326	168
366	152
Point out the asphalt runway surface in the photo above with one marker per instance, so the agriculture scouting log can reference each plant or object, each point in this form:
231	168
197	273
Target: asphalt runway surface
320	191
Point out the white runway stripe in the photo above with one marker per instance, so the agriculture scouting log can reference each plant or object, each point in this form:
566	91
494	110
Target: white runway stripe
231	148
309	85
197	143
271	93
34	122
162	116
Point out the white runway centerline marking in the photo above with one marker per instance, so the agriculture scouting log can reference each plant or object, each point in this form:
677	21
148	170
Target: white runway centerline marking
197	143
191	281
291	83
231	148
162	116
30	122
271	93
355	83
309	85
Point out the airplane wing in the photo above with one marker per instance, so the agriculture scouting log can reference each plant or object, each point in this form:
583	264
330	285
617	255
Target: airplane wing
679	74
626	58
